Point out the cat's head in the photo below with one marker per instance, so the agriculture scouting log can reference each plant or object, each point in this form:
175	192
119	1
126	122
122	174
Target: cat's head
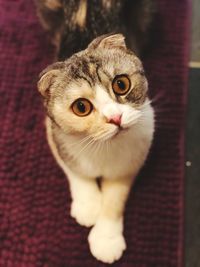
98	92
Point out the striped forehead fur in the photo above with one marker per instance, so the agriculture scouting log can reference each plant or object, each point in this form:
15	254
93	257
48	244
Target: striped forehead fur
85	68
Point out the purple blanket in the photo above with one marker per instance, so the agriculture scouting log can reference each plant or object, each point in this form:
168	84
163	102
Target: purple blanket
35	227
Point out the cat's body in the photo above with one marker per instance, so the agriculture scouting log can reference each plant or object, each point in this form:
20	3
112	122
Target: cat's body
100	124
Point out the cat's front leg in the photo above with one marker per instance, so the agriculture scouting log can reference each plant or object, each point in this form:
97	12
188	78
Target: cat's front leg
106	238
86	199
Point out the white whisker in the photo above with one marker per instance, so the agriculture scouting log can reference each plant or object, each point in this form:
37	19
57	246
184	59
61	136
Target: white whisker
77	143
84	148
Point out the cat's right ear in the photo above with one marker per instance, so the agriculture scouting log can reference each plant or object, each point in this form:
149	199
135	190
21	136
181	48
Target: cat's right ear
47	78
108	41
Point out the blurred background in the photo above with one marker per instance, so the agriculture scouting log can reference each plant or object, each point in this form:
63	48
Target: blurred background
192	239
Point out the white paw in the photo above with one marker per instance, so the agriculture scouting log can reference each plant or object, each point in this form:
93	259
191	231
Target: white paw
106	246
86	212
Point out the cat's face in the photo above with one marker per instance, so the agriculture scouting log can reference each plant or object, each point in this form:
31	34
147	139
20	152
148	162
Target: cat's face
99	92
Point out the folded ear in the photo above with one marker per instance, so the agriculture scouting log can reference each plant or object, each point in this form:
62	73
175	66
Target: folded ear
108	41
47	78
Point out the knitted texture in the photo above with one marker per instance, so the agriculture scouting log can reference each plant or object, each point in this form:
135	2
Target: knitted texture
36	229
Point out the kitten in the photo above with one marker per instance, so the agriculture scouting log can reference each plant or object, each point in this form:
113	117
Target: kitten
100	123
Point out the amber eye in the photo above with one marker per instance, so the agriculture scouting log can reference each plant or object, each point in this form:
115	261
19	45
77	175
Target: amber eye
121	85
82	107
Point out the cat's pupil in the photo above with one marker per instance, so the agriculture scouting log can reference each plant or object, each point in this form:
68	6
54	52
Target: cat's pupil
81	107
121	85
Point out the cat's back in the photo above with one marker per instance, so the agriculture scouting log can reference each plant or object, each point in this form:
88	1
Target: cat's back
75	23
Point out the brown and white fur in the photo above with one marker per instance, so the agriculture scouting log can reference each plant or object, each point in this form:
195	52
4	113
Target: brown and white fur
93	146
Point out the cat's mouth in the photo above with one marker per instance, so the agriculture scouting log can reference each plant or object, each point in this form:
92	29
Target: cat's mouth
119	131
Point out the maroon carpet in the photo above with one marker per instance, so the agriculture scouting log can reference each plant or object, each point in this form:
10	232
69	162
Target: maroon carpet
35	227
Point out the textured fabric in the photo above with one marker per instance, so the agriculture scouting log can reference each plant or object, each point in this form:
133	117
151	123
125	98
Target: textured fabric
35	227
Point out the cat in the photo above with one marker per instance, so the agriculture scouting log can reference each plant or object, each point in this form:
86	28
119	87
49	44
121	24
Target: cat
100	124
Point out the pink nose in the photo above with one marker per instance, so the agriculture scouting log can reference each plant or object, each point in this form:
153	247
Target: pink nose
116	119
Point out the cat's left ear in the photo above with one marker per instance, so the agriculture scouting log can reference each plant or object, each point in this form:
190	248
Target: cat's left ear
47	78
108	41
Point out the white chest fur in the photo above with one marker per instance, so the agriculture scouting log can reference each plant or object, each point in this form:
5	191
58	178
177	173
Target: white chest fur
125	156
